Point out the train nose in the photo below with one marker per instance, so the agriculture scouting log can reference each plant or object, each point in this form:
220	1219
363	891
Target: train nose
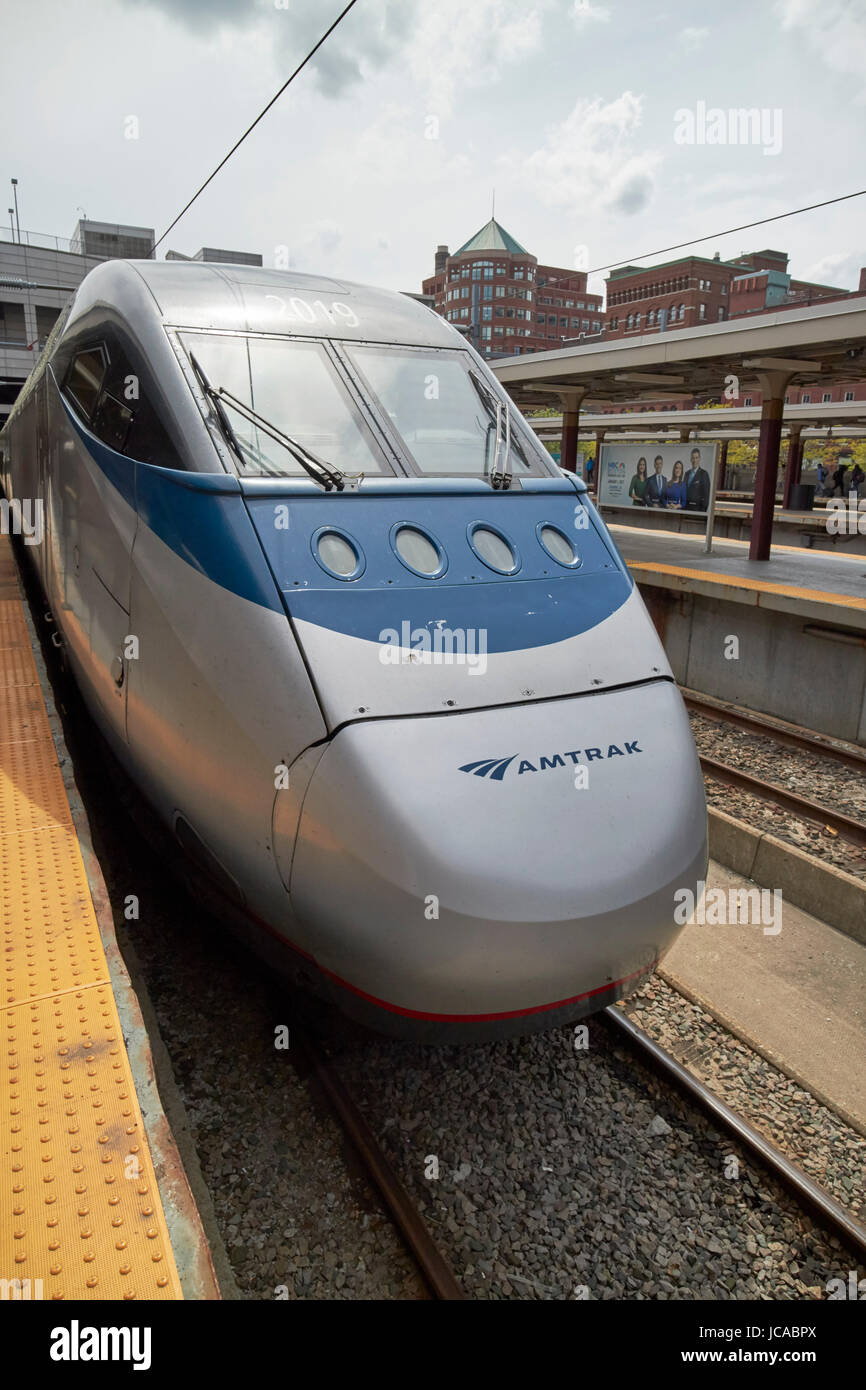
506	864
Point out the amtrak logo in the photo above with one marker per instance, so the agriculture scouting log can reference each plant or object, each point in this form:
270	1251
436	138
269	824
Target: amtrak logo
495	768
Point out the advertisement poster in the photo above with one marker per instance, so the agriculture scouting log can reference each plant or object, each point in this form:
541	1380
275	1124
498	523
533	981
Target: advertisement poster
672	477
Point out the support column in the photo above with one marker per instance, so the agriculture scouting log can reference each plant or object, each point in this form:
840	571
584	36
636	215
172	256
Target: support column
685	434
773	385
795	462
571	403
722	466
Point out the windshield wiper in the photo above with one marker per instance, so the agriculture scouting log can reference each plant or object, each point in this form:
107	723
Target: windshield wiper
323	473
225	423
496	409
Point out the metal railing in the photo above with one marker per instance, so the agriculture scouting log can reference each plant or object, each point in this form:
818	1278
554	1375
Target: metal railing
41	241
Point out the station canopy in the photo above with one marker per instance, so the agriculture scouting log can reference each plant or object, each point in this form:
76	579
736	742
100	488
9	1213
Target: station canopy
823	344
839	419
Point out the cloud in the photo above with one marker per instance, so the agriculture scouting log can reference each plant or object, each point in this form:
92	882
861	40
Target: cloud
584	12
396	149
840	268
444	47
590	158
835	30
692	39
632	193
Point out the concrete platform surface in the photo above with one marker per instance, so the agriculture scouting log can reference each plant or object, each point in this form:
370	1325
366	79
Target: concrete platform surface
810	583
798	996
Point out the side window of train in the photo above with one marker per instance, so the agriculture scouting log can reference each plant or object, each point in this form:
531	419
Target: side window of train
84	378
118	399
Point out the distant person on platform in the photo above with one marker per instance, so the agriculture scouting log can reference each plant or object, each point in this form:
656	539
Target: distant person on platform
590	464
637	486
675	491
858	478
697	485
654	492
822	479
838	480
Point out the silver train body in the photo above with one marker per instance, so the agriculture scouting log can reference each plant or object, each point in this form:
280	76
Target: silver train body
416	725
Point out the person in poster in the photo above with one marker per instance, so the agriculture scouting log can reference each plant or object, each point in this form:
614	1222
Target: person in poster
637	486
654	492
675	491
697	485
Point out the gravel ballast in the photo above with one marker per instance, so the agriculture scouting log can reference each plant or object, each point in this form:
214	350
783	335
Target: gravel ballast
823	780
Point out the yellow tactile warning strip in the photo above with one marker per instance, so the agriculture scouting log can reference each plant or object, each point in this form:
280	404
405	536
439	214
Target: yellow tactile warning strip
80	1212
735	581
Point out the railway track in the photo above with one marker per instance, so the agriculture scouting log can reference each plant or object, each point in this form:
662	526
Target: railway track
792	735
434	1268
825	1209
827	1213
847	827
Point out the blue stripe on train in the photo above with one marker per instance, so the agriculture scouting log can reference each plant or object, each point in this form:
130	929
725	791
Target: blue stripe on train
514	616
206	521
200	516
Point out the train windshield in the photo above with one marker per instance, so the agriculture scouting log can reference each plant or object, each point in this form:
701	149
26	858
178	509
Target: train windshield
444	414
294	386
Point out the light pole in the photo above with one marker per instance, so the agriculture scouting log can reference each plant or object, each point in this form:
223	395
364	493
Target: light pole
11	212
15	197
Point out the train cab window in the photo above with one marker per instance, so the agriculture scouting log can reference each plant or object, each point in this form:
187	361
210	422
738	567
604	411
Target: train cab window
445	417
85	377
293	386
111	388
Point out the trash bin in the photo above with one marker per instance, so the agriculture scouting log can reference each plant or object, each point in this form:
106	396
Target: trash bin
802	497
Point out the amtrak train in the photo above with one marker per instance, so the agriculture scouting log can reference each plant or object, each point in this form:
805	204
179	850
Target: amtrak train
371	657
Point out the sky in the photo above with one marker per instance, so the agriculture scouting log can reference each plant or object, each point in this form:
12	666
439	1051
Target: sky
596	124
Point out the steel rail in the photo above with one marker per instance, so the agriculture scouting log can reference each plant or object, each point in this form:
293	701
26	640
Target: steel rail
830	1213
791	735
434	1267
849	829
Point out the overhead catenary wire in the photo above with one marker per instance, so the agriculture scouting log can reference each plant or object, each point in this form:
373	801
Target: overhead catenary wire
745	226
250	128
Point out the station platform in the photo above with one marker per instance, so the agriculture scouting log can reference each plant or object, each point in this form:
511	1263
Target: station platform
93	1202
733	521
796	993
808	583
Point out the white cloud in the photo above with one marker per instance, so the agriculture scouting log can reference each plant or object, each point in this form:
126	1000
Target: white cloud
584	12
693	39
840	268
394	151
455	44
589	158
836	29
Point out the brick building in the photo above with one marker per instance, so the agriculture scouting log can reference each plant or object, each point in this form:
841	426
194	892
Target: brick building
695	290
496	291
676	294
